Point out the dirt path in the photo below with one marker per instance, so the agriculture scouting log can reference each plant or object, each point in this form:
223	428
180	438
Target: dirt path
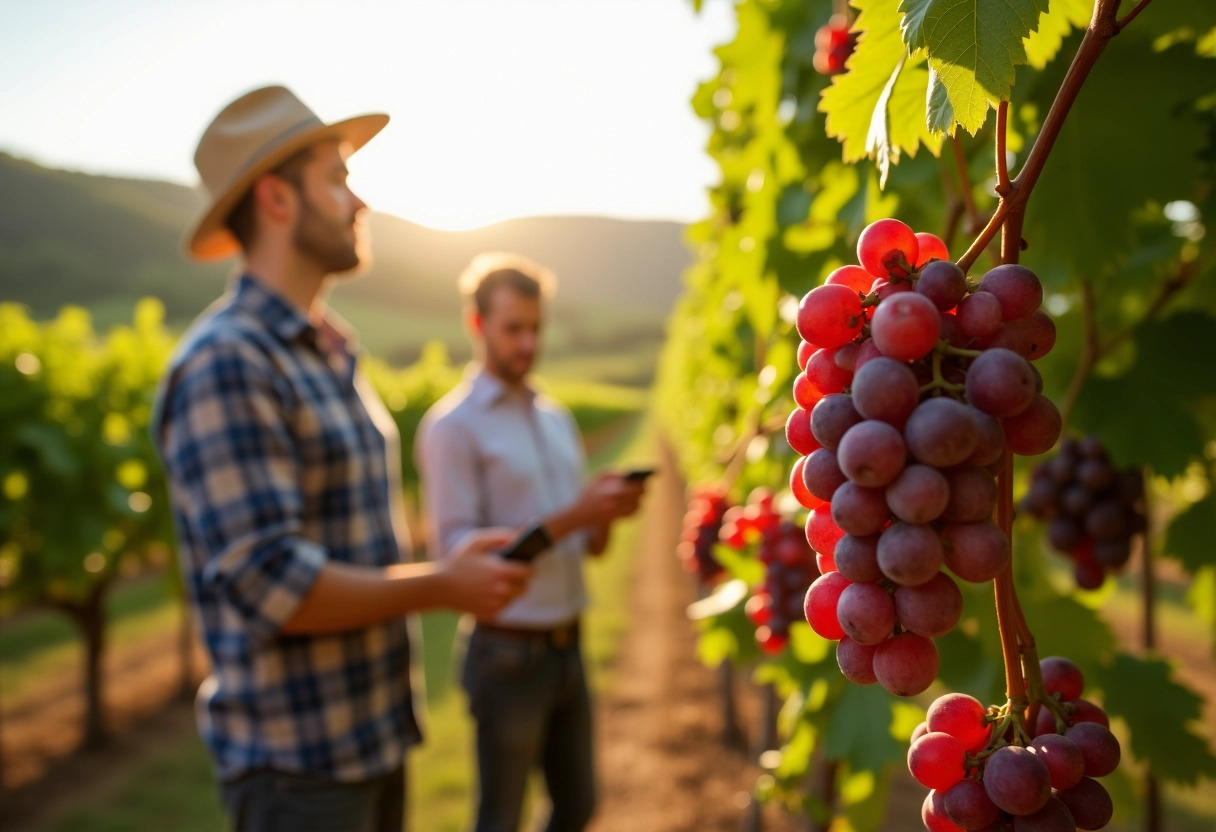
663	766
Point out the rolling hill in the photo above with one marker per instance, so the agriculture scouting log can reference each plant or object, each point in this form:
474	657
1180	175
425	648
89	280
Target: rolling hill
102	242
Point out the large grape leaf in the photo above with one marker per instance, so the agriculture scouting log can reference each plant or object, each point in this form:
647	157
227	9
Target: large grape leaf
1054	25
857	727
1190	536
1148	412
1108	163
1159	711
973	46
877	107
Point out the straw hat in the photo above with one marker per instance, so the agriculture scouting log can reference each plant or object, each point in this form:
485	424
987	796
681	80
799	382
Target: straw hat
250	137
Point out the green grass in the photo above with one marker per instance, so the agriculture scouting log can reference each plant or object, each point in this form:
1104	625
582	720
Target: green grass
175	790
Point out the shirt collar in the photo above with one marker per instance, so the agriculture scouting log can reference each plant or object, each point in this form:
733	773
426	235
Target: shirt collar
488	389
288	323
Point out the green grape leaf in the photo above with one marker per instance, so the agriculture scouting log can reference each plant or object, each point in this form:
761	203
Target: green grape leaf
1082	215
857	726
1160	713
1054	25
1064	626
974	46
1189	537
874	108
940	115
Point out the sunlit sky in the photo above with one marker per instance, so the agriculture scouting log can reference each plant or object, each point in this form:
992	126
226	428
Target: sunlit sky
500	108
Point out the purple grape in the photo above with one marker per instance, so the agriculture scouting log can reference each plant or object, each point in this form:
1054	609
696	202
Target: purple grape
1089	803
1106	520
1062	757
975	552
1098	746
1016	287
990	436
857	558
909	554
1031	337
858	510
1053	817
831	417
871	453
821	474
1001	383
972	495
940	432
968	805
1016	780
930	609
856	661
866	613
886	390
979	315
943	283
918	495
1035	429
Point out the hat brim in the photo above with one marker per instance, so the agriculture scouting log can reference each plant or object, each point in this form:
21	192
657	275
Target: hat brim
209	239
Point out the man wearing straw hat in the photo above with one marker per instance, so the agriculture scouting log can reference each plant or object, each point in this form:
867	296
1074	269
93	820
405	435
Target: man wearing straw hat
283	471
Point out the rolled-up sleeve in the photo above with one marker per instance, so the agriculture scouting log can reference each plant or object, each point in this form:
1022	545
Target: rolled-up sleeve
233	459
451	485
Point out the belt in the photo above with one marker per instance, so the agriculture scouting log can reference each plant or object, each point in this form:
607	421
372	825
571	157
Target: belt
562	636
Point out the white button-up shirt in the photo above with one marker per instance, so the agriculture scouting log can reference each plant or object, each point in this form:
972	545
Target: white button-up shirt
492	456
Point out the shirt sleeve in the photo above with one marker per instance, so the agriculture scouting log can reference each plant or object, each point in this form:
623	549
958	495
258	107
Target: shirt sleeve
451	486
231	456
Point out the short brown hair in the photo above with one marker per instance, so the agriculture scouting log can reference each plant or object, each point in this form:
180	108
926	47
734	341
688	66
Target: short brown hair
491	270
242	221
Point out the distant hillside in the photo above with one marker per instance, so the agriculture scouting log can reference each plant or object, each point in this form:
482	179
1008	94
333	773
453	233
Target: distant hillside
102	242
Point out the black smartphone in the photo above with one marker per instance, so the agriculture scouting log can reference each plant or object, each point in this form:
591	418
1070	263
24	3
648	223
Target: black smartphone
638	474
531	542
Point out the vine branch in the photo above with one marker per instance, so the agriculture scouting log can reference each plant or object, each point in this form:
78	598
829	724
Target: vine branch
967	193
1102	28
1132	14
1002	163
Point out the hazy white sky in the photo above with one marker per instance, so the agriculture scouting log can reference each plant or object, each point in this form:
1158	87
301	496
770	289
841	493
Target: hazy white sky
500	107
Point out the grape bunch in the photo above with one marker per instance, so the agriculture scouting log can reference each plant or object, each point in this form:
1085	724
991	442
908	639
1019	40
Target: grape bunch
833	46
1092	509
789	568
702	524
914	386
986	772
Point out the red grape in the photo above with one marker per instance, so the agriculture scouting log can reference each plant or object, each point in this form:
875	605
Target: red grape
976	552
820	604
906	327
830	316
931	248
831	417
918	495
1001	383
906	664
941	432
798	432
855	277
936	760
887	247
1034	430
856	661
962	717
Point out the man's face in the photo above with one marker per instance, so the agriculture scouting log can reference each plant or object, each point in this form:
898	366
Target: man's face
510	330
329	227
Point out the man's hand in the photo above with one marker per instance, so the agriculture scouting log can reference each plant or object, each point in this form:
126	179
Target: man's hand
476	580
607	497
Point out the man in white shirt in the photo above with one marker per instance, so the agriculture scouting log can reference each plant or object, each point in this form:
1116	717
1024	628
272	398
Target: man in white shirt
494	452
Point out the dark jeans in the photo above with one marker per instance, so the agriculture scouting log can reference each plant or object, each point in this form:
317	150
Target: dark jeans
532	709
274	801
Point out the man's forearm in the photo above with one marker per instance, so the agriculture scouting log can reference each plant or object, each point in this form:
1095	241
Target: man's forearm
348	597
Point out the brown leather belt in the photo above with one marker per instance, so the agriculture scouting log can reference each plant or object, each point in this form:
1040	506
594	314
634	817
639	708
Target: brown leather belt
562	636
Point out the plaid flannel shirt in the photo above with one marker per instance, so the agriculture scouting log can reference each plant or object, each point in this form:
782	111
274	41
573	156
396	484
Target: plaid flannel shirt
279	457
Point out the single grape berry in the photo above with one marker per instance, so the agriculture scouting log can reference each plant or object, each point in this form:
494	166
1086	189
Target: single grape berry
887	247
829	316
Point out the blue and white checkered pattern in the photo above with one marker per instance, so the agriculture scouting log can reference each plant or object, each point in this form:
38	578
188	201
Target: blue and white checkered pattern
280	457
